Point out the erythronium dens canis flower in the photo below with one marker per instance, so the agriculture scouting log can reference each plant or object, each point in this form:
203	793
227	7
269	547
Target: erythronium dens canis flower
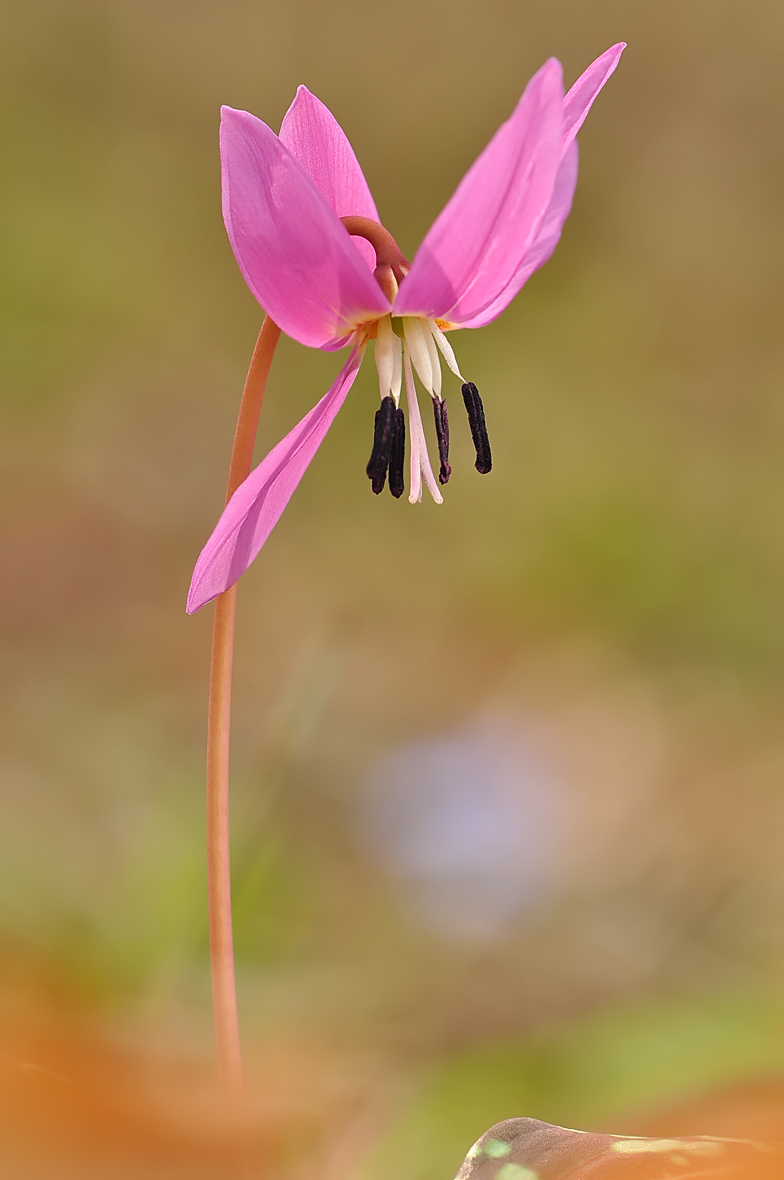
306	234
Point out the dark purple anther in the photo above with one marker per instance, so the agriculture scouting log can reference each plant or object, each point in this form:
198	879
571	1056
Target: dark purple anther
398	457
383	438
442	433
476	420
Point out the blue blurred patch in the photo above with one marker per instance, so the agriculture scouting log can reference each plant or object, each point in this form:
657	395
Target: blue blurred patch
470	822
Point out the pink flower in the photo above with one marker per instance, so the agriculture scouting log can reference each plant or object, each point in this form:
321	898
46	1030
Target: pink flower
305	232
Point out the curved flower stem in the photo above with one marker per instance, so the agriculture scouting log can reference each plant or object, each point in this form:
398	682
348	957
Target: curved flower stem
224	994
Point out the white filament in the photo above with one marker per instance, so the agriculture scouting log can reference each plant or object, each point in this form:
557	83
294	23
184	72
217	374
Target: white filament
435	362
388	359
446	348
397	366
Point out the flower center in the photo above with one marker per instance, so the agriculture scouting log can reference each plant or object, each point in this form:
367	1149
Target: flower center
405	344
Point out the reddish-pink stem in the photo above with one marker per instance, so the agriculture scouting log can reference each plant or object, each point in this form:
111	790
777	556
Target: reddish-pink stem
224	994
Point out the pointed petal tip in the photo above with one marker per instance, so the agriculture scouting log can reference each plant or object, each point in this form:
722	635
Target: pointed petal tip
195	601
302	95
320	145
611	56
205	586
550	74
234	121
580	98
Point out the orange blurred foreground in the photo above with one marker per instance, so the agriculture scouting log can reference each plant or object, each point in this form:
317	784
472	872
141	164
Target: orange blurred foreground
74	1105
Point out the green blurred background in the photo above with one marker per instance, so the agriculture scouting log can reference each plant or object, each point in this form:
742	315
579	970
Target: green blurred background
593	635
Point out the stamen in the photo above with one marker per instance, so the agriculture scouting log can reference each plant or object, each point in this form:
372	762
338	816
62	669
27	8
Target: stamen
435	363
442	433
388	359
397	365
383	437
446	348
476	420
397	458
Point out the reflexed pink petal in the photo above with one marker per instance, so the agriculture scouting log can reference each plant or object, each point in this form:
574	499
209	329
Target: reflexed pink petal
577	104
478	241
255	507
297	258
318	143
579	100
545	242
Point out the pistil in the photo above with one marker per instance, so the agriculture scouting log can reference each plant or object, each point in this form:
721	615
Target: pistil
420	461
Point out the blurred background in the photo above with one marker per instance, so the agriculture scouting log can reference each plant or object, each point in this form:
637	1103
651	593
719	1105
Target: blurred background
507	812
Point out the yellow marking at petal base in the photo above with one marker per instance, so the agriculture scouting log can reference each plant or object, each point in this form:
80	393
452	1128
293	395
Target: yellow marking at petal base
516	1172
639	1146
496	1148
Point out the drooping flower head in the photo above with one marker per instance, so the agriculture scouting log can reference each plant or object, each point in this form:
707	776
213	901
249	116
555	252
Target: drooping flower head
307	238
